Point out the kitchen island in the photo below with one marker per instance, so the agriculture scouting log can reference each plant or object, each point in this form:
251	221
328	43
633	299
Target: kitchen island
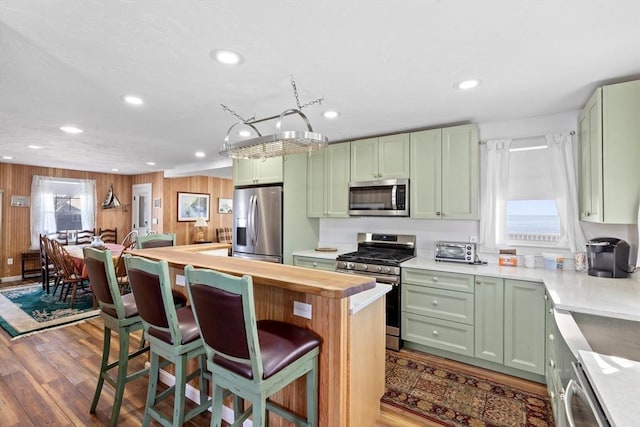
347	311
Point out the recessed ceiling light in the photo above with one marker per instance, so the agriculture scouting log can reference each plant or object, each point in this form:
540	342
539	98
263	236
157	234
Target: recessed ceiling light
200	154
71	129
151	163
466	84
115	169
133	100
330	114
35	147
244	133
7	157
226	56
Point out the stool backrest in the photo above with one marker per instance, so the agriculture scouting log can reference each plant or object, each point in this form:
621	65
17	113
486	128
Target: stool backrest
156	240
151	287
103	280
223	306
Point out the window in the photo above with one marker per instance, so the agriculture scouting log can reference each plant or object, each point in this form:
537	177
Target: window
61	204
531	211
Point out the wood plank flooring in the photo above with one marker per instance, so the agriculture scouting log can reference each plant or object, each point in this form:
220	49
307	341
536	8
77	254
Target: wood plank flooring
49	379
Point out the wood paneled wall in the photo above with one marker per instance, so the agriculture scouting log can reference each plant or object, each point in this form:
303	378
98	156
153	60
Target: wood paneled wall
16	179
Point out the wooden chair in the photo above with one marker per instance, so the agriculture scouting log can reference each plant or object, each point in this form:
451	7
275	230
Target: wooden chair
173	336
69	279
108	235
53	249
156	240
84	236
62	237
47	269
129	240
253	359
120	315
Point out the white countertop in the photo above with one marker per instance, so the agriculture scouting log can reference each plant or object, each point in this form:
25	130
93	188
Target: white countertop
359	301
322	254
615	382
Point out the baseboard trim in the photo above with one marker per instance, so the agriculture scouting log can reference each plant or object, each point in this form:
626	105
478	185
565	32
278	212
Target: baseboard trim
10	279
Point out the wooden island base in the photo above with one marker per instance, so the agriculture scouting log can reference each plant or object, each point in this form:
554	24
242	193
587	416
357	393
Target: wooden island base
351	377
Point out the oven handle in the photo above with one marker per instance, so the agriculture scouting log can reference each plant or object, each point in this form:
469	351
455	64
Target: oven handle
393	281
579	388
572	388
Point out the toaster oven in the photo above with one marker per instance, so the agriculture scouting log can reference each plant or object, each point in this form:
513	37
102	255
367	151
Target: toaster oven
456	252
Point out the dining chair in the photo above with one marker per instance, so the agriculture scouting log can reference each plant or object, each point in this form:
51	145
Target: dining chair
47	269
62	237
129	240
173	335
69	279
120	315
108	235
156	240
84	236
252	359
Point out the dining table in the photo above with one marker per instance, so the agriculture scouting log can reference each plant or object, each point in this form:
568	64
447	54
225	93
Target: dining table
76	252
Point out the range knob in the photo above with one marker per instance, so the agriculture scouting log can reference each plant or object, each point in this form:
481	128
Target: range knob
350	266
378	268
365	267
387	269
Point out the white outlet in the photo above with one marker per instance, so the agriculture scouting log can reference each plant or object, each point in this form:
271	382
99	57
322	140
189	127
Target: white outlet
473	239
9	261
301	309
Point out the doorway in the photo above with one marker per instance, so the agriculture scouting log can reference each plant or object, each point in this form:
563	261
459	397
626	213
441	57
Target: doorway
141	208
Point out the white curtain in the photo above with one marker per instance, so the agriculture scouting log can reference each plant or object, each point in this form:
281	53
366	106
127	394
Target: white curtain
43	209
493	221
562	164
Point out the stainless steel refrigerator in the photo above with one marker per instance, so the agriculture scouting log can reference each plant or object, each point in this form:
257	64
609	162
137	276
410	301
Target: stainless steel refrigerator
257	223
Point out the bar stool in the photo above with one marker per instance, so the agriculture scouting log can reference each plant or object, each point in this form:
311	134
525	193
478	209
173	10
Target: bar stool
172	334
252	359
120	315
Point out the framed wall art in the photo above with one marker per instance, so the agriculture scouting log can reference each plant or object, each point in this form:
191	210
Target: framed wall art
225	205
192	206
20	201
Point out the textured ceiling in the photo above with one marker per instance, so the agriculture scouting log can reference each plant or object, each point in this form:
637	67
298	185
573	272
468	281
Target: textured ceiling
386	66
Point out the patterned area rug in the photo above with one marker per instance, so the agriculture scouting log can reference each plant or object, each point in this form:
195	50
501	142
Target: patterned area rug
451	398
29	309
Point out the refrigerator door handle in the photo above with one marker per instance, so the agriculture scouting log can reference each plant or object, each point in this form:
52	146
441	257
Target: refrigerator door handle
256	230
250	222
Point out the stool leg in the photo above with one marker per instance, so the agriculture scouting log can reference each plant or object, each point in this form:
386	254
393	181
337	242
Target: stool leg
179	391
204	380
106	344
153	387
312	395
259	412
216	410
123	362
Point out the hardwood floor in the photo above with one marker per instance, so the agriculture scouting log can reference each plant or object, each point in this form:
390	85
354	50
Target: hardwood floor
49	379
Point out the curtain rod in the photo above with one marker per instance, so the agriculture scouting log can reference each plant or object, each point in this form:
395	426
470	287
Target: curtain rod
484	141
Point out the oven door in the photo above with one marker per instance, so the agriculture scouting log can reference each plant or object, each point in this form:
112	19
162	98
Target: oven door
392	305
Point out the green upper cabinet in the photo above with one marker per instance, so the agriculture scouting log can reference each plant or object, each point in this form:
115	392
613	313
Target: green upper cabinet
445	173
328	181
386	157
609	134
524	325
489	319
257	171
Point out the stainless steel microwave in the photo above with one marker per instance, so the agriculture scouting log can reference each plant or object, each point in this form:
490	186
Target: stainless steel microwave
388	197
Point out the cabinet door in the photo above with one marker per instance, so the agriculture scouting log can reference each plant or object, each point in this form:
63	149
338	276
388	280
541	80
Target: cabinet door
393	156
489	319
269	170
243	172
425	185
315	184
590	144
364	160
621	146
337	173
524	325
317	263
460	172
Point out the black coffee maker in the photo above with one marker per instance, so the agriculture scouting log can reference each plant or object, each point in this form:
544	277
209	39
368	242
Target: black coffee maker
608	257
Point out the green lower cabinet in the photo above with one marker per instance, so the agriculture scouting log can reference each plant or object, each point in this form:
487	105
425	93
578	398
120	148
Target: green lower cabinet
524	326
489	319
443	334
317	263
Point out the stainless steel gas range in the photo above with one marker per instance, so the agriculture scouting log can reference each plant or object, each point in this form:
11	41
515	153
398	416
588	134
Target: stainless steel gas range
380	255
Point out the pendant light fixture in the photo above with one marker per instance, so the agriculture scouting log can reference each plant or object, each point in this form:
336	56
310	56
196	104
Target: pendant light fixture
281	142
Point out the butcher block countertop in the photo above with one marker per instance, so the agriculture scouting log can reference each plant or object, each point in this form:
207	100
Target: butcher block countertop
314	282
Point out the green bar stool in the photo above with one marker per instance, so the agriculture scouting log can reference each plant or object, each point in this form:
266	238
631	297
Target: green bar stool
251	359
156	240
173	335
120	315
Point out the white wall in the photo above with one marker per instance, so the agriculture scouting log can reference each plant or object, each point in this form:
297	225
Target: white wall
341	232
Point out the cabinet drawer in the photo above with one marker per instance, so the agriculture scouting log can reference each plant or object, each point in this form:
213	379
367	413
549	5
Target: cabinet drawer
445	335
317	263
440	303
438	279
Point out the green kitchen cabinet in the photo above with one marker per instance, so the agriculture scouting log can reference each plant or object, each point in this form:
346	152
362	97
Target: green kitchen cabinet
258	171
315	263
328	173
385	157
524	325
445	173
609	142
489	319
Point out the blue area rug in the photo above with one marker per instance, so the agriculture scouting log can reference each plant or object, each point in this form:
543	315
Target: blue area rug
29	309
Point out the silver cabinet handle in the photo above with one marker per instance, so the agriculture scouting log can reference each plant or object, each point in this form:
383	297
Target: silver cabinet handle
478	282
434	302
438	213
435	333
435	278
